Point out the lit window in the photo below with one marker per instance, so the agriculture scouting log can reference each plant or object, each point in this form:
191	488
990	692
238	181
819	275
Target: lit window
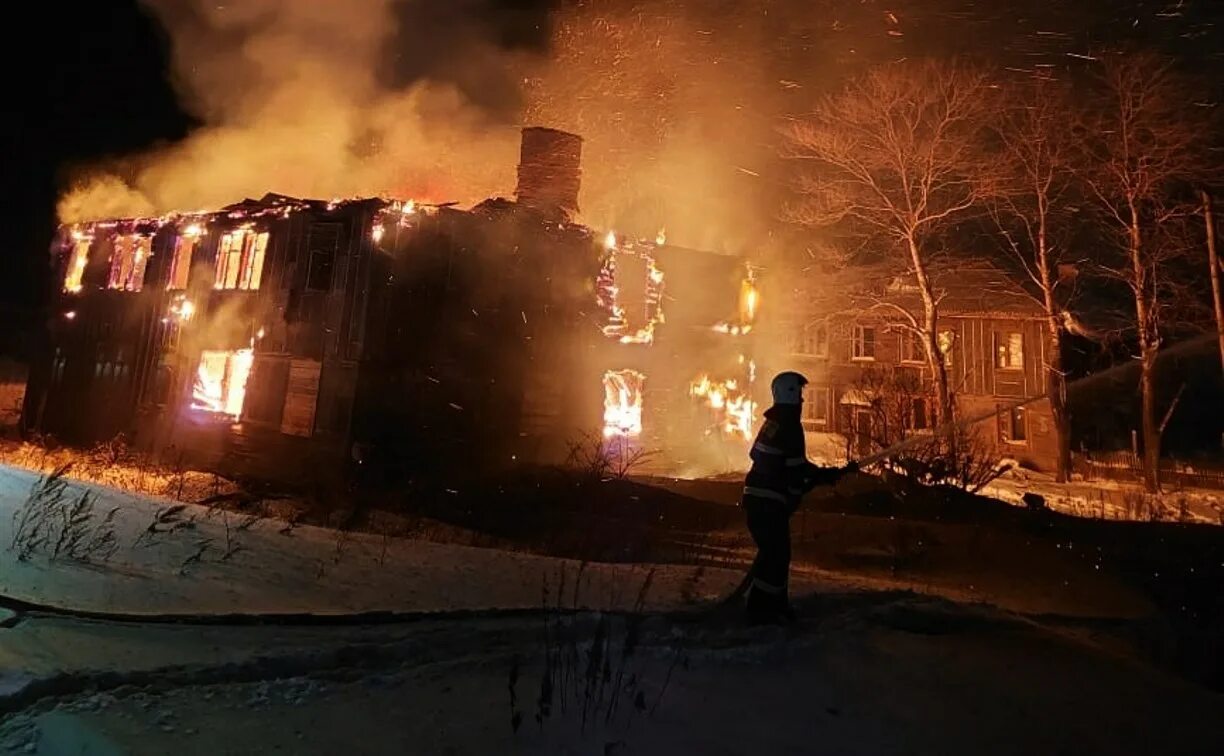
129	257
220	382
1009	348
816	404
623	403
180	266
947	341
863	343
240	259
1012	426
76	264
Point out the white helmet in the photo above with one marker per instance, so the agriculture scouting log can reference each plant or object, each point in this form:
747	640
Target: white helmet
787	388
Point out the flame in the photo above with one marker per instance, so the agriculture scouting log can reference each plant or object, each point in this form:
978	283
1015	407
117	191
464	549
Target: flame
377	232
409	207
732	408
608	292
749	299
260	333
661	237
220	382
182	308
76	264
623	403
193	231
70	315
610	240
734	330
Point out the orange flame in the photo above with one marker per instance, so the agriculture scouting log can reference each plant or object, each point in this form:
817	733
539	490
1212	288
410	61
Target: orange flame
220	382
623	403
732	408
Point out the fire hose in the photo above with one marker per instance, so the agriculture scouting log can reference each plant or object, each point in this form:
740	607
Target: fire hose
918	440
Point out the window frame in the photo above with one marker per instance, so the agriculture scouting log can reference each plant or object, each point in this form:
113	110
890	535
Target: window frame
1011	417
1005	357
180	262
240	260
816	399
859	341
914	340
129	262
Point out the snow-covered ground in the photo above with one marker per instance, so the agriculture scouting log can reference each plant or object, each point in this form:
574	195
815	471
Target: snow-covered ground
270	568
870	673
1108	499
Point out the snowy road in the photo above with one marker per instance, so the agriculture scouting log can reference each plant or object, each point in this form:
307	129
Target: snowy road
874	674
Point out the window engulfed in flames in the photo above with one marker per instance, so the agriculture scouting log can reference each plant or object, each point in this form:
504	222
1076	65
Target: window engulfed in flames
608	294
730	405
220	382
77	261
623	403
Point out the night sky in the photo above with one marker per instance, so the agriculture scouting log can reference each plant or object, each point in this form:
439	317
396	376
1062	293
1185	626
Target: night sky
95	85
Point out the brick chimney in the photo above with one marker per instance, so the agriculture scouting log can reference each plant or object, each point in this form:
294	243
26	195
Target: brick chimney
549	171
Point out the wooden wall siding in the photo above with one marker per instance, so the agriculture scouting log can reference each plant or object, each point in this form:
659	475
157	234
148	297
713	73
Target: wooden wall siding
301	398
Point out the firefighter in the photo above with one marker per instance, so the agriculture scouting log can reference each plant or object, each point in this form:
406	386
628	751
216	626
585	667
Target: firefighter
781	474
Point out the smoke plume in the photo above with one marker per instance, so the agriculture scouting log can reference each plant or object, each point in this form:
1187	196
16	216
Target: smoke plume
678	103
321	99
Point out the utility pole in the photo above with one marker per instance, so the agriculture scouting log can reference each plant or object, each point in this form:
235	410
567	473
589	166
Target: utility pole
1213	260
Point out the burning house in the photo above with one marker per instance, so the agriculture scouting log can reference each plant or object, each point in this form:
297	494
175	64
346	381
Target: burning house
282	337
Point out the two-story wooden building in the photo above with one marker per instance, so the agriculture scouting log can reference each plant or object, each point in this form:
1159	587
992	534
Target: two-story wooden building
284	337
869	371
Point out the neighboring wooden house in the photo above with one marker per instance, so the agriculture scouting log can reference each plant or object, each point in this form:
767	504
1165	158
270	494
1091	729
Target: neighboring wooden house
859	359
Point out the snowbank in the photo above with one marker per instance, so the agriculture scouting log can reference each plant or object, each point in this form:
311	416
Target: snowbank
218	562
1108	499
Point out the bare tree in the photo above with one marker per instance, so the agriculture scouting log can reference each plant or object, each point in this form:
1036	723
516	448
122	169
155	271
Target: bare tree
1142	148
1214	268
1036	174
898	152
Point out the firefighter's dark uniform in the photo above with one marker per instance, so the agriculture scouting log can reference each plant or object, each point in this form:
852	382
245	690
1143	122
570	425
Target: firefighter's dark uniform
781	474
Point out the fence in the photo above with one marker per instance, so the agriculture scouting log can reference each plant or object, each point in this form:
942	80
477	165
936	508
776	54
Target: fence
1126	466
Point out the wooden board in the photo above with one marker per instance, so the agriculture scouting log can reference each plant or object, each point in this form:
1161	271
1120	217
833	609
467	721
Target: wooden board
301	398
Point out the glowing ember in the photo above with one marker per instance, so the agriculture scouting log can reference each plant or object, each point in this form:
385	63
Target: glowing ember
734	330
182	309
220	382
70	315
732	408
623	403
377	232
